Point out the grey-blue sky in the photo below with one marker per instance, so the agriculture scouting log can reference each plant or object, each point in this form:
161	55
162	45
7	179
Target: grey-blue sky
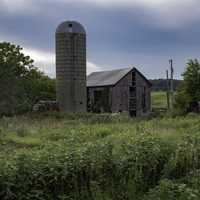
120	33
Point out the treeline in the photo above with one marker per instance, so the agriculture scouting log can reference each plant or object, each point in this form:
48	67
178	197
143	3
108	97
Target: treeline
161	84
21	83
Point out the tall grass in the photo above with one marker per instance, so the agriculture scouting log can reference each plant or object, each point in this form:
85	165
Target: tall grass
99	157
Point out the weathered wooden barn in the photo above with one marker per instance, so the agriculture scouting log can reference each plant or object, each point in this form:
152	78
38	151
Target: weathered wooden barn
122	90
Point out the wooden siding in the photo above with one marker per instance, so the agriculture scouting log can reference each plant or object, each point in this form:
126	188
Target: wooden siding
119	95
141	84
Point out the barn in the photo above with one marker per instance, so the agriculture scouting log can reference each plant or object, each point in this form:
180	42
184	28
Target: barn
121	90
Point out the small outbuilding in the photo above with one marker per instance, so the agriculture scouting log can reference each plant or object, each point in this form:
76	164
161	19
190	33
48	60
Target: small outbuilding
122	90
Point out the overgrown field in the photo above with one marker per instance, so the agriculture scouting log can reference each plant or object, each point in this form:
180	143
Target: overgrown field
159	100
100	157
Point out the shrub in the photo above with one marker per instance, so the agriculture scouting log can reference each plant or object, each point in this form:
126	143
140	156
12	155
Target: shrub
173	191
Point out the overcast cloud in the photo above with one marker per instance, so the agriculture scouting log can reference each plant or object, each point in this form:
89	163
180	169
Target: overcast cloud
120	33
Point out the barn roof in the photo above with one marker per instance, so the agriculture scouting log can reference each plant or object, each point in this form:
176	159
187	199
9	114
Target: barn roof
109	78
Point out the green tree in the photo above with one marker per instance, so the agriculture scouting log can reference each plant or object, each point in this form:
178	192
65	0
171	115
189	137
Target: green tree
189	90
21	84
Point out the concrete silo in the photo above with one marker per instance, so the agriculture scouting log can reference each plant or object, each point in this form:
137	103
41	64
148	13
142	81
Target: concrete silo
71	67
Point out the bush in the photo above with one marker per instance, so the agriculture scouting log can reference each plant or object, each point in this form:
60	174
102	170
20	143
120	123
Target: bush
167	189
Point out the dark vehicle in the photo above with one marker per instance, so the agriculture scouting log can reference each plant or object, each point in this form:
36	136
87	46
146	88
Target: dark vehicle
43	106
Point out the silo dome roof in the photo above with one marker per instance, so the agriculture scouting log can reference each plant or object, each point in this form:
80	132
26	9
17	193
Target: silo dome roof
70	27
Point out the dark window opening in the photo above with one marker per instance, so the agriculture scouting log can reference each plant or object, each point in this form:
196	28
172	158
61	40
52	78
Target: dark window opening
132	91
133	78
70	25
133	113
101	101
97	101
97	96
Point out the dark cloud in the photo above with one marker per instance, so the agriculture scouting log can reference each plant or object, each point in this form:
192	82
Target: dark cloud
117	37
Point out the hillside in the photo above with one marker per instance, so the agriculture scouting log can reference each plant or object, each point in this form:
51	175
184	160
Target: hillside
161	84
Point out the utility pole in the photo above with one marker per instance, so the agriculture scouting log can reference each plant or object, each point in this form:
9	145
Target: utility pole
172	83
167	76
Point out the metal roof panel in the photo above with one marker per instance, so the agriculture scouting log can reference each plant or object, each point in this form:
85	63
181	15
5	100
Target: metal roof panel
105	78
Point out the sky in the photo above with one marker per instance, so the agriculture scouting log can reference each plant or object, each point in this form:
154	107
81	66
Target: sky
120	33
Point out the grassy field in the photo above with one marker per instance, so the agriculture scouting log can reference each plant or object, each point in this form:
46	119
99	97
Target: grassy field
99	157
159	100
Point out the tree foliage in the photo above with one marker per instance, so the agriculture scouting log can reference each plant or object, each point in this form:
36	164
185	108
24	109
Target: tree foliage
21	84
189	90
